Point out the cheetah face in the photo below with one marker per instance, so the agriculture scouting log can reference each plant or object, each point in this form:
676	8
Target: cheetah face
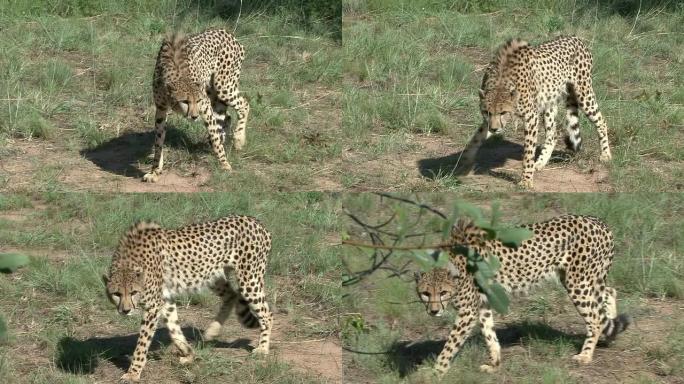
124	289
497	108
436	289
188	97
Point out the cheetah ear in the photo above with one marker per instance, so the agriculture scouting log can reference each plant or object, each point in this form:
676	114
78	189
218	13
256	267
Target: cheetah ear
417	276
462	223
105	279
482	94
514	93
453	272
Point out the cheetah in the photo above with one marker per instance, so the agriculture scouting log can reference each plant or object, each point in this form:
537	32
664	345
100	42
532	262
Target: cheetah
153	265
576	249
528	82
198	75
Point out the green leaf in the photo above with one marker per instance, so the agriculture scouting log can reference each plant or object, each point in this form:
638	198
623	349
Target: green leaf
442	260
513	237
462	208
498	299
10	262
427	260
447	225
484	268
494	263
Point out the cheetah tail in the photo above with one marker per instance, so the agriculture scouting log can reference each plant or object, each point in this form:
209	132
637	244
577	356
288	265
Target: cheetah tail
617	325
244	315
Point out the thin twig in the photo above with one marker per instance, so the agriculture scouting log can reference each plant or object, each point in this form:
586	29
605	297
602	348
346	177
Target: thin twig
396	247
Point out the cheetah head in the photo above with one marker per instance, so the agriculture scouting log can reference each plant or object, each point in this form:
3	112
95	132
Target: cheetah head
437	288
124	287
187	95
498	106
466	233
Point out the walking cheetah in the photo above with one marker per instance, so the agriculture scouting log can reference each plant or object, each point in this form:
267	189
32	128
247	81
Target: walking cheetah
152	265
577	249
530	82
198	75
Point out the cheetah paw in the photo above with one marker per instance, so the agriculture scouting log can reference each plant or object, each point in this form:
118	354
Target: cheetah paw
260	351
527	184
582	359
185	360
605	157
129	378
488	368
151	177
539	166
226	167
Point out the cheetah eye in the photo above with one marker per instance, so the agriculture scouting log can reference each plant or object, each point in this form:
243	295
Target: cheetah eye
425	293
444	293
133	293
116	294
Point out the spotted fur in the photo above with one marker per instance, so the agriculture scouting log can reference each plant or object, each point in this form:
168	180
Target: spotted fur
577	249
529	82
152	266
198	75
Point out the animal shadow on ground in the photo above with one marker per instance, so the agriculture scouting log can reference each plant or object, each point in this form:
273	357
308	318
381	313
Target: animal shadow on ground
492	154
406	356
121	155
82	356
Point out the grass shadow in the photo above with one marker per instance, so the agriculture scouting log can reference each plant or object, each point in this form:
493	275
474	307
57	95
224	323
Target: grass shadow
122	155
317	16
406	356
83	356
493	154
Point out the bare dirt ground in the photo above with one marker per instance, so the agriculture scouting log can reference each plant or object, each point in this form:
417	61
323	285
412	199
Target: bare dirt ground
55	163
498	168
93	333
625	360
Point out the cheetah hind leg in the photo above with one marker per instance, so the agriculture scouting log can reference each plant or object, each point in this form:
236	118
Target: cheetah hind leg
573	139
225	291
259	309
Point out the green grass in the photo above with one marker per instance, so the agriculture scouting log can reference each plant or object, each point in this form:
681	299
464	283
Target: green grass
77	75
57	304
415	67
543	329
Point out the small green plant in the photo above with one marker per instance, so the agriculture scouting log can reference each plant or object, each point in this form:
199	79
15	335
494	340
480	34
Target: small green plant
398	234
9	262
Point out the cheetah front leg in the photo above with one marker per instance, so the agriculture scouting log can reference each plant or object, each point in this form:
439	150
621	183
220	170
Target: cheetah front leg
147	329
458	335
215	132
550	140
160	134
529	147
171	318
487	322
467	161
239	103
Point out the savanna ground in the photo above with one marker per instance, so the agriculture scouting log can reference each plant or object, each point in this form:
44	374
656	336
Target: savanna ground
388	337
76	108
64	330
413	69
